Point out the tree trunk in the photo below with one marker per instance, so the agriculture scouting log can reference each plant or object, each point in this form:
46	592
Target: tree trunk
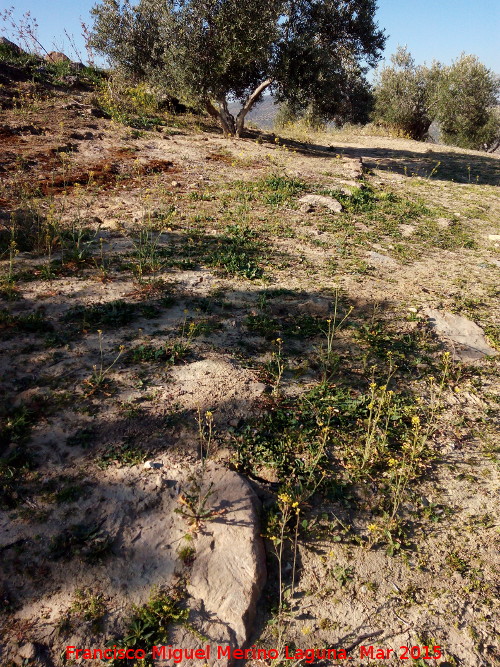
231	126
226	119
250	102
223	116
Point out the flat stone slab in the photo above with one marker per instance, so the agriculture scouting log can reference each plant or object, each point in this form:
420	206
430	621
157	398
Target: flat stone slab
224	578
229	572
469	342
380	259
313	201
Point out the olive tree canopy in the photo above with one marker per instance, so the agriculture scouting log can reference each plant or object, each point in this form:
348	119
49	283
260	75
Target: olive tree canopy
403	94
466	104
309	53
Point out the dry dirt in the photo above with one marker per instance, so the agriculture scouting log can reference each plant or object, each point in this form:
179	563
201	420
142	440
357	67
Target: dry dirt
63	168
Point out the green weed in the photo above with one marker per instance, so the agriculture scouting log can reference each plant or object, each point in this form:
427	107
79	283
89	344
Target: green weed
147	258
113	314
86	540
88	607
127	454
30	323
81	438
279	191
150	623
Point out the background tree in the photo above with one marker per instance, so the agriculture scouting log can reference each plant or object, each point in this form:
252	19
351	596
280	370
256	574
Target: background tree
309	53
465	103
403	93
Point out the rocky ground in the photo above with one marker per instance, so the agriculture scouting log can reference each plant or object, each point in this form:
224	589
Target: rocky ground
249	387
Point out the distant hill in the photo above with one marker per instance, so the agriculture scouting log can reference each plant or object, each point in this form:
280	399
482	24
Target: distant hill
263	114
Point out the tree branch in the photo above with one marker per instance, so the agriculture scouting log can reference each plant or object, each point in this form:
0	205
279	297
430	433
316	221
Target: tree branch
211	109
251	100
222	115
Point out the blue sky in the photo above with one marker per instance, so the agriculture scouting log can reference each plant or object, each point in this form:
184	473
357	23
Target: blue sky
432	29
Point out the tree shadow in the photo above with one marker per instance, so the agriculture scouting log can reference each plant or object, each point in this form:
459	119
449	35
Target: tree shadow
170	430
437	163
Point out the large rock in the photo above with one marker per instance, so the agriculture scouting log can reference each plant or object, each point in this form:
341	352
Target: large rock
310	202
138	510
229	572
14	48
467	338
57	57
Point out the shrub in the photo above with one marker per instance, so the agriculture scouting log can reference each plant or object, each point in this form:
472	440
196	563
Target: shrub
464	104
402	96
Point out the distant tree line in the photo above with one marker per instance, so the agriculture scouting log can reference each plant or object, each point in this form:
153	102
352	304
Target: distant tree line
312	55
462	98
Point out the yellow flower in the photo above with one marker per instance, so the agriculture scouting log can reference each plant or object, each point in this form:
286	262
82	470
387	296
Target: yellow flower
372	527
415	420
373	385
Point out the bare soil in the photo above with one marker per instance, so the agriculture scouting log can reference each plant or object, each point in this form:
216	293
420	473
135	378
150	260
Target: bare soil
84	442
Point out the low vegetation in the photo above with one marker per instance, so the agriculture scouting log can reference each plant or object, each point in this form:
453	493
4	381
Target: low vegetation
370	441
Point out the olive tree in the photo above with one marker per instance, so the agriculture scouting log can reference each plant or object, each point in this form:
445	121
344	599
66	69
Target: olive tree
465	104
311	54
403	92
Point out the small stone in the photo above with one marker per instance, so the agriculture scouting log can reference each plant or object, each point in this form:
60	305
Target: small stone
378	258
318	200
28	651
406	230
153	465
462	332
494	237
70	81
413	310
316	305
268	474
443	223
175	184
348	188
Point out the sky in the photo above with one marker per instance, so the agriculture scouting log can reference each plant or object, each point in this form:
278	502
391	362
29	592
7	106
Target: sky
431	29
